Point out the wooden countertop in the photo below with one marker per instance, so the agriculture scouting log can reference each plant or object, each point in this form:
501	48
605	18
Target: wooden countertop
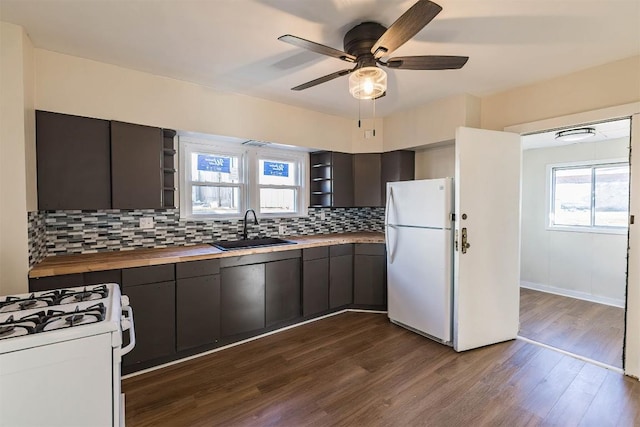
82	263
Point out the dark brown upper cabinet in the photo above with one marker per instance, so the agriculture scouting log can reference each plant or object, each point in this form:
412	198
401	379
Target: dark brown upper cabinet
73	161
366	179
137	179
331	182
342	174
397	166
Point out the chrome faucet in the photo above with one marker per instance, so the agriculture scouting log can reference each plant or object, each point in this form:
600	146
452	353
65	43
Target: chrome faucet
244	226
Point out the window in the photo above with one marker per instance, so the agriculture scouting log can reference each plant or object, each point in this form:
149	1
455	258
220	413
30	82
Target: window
223	180
278	185
590	197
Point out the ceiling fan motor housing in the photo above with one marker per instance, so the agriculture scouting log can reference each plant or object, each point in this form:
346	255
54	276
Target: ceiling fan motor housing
360	39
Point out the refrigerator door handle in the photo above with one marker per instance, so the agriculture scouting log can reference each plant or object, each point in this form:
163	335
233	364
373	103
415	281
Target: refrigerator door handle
389	204
388	226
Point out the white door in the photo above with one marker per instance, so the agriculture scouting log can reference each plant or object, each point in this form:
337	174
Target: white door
487	221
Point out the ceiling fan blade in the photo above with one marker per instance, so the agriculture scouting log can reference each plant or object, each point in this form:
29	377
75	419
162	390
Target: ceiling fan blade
429	62
324	79
405	27
317	47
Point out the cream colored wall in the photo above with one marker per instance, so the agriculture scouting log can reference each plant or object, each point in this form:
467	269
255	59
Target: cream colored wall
587	265
16	105
433	123
436	162
604	86
361	143
73	85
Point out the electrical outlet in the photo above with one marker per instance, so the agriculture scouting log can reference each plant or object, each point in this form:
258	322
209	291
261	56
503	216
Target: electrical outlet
322	216
146	222
282	229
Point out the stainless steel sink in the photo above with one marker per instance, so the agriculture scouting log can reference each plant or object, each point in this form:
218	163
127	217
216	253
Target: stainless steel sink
251	243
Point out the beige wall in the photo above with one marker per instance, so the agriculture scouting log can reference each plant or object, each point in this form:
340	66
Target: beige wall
16	145
73	85
585	265
433	123
608	85
436	162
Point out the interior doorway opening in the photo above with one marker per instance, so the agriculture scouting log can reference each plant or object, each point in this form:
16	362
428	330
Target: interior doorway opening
574	239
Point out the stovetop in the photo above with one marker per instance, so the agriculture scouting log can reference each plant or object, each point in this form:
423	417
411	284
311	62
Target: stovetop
43	313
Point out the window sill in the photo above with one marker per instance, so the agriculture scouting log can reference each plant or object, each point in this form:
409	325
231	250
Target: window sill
596	230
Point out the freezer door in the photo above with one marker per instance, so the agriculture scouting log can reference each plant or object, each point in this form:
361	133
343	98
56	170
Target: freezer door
422	203
419	279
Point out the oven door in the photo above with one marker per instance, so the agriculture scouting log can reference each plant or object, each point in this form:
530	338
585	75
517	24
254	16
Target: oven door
62	384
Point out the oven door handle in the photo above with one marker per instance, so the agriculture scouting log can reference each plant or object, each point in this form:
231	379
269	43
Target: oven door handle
128	325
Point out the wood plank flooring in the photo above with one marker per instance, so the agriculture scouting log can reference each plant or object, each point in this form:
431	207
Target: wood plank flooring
357	369
585	328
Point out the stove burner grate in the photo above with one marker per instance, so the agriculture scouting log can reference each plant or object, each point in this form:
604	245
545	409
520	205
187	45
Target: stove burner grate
59	319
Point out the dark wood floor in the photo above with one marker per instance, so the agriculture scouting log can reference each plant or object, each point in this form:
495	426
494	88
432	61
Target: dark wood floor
585	328
359	369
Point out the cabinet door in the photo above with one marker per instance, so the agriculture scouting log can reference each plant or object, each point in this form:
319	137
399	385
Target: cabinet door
154	308
366	179
369	282
397	166
342	179
340	281
242	299
315	286
73	162
197	311
136	160
282	291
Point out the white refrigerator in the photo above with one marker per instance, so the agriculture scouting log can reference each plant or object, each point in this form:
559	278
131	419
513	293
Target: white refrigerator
419	237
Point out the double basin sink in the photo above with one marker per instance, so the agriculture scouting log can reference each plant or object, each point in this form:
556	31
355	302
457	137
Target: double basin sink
251	243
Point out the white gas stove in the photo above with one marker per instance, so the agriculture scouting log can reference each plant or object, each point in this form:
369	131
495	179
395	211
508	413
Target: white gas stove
68	341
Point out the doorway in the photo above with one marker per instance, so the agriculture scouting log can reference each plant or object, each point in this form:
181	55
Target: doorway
575	210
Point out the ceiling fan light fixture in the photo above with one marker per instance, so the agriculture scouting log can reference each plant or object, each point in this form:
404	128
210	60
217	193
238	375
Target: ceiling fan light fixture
368	83
572	135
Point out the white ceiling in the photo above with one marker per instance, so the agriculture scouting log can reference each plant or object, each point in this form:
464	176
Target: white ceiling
614	129
232	46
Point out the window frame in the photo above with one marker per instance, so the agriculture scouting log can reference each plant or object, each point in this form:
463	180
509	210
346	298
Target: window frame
249	173
285	156
550	196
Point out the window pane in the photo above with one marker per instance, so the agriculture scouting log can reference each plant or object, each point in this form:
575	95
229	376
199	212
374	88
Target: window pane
277	172
612	196
215	168
276	200
207	200
572	202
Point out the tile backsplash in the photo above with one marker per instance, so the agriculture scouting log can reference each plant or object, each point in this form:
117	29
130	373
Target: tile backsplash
72	232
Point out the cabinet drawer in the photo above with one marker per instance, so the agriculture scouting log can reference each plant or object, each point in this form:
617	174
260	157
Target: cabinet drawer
339	250
197	268
55	282
315	253
370	249
151	274
259	258
100	277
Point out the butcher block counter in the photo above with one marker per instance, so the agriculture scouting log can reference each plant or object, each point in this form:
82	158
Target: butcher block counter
84	263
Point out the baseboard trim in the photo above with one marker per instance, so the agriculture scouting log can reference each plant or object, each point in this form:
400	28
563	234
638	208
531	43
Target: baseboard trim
266	334
572	294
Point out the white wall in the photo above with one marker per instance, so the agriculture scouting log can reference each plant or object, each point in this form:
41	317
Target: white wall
589	265
17	192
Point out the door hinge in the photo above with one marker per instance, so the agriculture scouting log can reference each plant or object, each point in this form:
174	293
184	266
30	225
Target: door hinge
631	219
453	217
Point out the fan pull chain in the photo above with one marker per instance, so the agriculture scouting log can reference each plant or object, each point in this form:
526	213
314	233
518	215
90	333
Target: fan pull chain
374	117
359	115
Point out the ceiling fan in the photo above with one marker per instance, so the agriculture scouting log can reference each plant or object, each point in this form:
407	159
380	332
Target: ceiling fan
368	43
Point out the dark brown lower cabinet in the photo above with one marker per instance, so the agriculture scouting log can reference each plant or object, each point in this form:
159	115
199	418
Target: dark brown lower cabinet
242	299
315	281
340	275
74	280
197	311
282	290
154	308
370	274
